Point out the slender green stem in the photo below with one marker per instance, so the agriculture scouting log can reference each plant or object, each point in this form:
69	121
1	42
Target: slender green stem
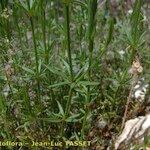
86	113
36	56
36	53
56	4
69	57
18	29
68	39
92	8
67	27
43	21
68	106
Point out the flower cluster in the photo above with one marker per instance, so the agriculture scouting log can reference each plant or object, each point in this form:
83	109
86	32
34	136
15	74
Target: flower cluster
136	67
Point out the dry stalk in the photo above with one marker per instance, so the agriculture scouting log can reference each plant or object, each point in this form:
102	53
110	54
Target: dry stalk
135	70
135	79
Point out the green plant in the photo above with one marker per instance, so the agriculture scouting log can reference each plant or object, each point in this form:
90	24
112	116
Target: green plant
64	69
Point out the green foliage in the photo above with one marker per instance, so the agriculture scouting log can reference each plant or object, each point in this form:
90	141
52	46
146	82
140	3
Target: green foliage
65	63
